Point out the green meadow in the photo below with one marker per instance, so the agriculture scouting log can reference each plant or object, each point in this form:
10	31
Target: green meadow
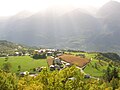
26	63
95	67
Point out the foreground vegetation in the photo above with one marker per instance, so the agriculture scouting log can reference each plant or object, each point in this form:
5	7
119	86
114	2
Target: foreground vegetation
67	79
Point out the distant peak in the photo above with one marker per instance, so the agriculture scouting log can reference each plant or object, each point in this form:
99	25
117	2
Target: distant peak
112	2
109	9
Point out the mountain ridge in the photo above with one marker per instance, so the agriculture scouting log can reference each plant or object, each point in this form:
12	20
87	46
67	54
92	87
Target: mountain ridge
73	29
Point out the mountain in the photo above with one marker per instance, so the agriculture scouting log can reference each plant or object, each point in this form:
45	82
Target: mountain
66	28
110	9
42	29
109	16
6	47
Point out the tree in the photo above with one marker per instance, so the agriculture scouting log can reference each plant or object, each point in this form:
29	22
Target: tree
96	66
40	56
7	66
19	67
6	58
115	72
110	73
114	83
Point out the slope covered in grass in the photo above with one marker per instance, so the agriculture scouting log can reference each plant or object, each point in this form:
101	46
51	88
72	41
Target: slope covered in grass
26	63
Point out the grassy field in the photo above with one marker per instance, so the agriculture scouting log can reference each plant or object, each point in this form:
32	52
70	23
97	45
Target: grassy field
94	68
27	63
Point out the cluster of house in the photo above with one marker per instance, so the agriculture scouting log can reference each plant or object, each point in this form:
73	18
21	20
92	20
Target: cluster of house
38	69
59	64
21	54
49	52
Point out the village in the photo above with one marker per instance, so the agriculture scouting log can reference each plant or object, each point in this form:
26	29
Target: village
57	60
31	61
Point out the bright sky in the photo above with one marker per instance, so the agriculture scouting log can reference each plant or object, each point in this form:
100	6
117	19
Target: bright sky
11	7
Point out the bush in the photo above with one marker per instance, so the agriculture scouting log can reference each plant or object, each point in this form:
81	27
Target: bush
7	66
40	56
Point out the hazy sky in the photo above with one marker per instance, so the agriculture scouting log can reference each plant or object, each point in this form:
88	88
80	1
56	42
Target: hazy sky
11	7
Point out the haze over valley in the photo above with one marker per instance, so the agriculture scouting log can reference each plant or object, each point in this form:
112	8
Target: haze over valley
66	28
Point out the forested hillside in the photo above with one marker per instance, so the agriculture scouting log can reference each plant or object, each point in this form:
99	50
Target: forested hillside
7	47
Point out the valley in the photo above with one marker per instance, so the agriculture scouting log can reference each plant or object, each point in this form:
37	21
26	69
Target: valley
30	64
28	58
60	48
